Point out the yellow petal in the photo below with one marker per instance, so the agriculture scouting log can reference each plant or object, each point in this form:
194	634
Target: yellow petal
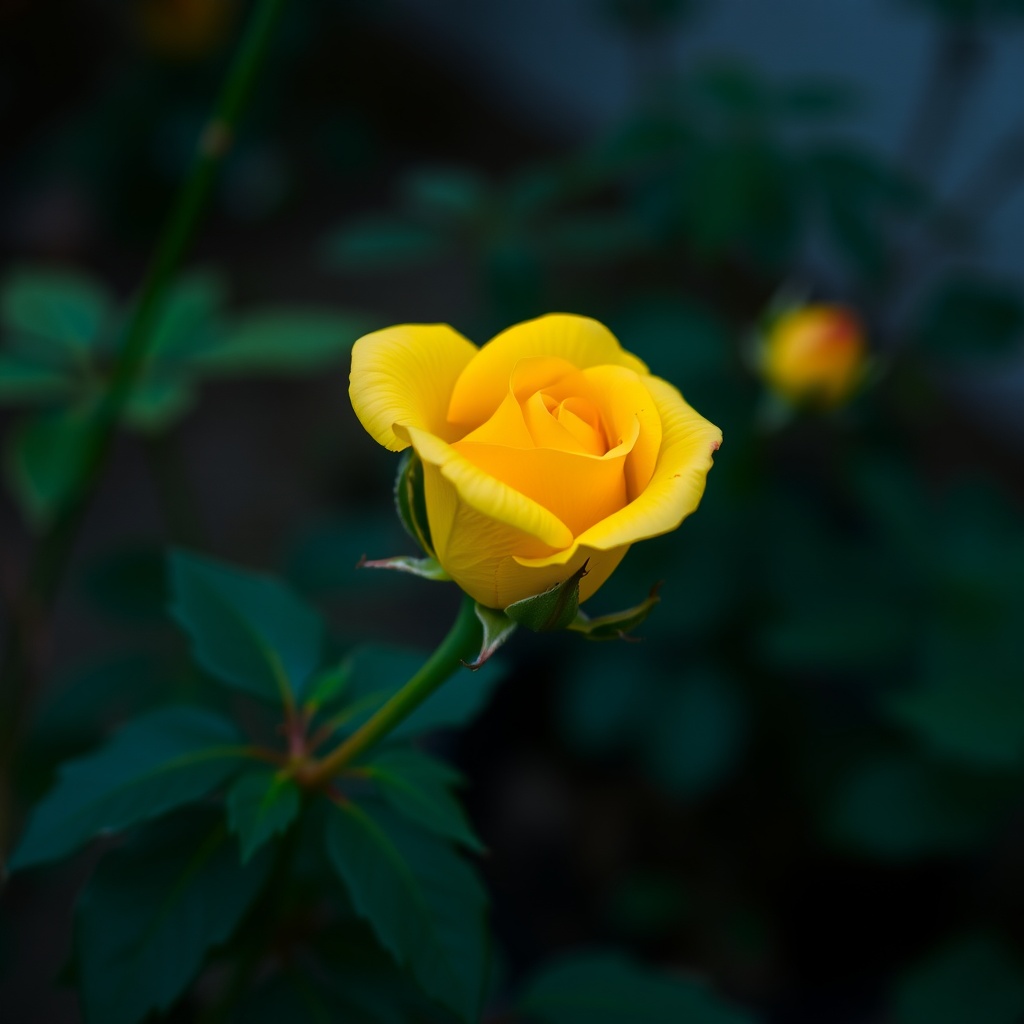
492	498
579	489
405	375
578	339
628	404
675	488
479	553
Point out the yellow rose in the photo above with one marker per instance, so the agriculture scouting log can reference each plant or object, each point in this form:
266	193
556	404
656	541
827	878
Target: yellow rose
547	447
815	354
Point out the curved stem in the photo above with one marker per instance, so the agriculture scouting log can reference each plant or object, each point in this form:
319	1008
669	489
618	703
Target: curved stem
462	641
51	555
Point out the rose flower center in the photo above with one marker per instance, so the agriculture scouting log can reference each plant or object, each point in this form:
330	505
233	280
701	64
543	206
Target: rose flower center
566	437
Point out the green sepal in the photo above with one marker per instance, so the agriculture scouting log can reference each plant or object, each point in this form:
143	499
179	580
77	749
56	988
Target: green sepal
616	625
557	608
410	502
426	568
497	626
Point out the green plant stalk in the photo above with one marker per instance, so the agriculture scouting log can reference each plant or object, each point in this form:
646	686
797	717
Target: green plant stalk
52	553
461	643
215	143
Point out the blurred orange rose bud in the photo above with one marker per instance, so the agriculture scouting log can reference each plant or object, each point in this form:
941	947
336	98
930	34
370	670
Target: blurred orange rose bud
545	454
184	29
814	355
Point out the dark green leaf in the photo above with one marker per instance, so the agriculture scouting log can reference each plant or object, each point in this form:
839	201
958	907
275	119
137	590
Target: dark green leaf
23	382
606	988
152	911
156	402
154	764
329	684
189	319
976	979
281	341
419	787
45	457
555	609
248	629
261	803
423	900
54	317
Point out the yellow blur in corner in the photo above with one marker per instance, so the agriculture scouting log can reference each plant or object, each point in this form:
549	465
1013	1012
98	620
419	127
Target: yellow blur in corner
184	29
815	355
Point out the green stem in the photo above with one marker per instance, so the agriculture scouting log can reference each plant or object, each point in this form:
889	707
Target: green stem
461	643
51	555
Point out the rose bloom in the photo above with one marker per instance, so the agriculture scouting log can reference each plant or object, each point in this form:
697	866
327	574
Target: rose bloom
815	354
547	447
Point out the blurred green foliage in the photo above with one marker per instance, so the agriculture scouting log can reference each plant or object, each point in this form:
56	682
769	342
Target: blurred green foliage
830	683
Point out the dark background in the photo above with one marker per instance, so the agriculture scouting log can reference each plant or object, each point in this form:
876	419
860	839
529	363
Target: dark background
805	784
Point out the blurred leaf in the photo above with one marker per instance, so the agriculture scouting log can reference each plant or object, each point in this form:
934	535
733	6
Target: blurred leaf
54	317
730	91
153	909
157	402
248	629
900	807
595	237
348	978
45	456
261	803
697	733
188	321
606	988
418	787
281	341
976	978
79	704
970	705
973	316
385	244
445	194
152	765
23	382
423	900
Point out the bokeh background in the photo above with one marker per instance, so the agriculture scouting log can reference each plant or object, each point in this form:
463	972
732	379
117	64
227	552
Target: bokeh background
806	784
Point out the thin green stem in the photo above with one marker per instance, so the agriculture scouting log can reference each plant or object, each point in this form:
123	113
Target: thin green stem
461	643
52	553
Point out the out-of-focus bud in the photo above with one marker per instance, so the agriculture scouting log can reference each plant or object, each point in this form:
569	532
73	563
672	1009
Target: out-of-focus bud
814	355
184	29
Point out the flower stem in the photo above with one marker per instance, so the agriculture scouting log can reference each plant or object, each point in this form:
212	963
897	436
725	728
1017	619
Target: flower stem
461	643
51	555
